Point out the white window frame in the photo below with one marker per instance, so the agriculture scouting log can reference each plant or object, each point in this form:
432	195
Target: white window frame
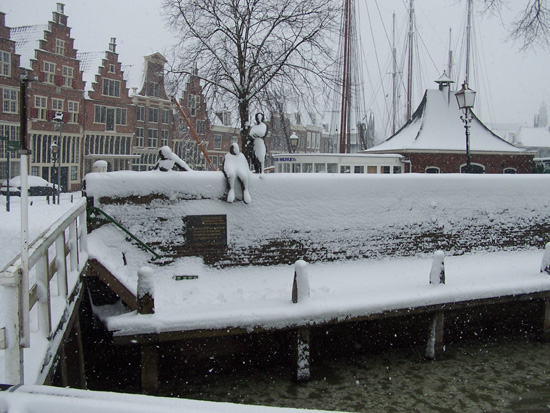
152	138
164	137
41	106
57	105
111	87
68	75
5	63
60	47
73	109
49	72
10	99
139	137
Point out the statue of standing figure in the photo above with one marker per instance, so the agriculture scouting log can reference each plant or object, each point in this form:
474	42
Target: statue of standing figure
258	132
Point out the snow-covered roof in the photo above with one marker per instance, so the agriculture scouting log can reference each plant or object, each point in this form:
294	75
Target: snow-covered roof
533	137
27	40
436	126
90	62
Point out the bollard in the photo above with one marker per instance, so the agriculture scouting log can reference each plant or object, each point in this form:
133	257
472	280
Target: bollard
145	291
435	335
545	265
300	286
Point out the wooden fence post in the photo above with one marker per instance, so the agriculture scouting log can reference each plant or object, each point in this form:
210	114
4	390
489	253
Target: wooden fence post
435	335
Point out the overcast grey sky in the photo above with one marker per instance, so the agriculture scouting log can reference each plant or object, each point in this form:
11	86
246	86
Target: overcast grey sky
510	84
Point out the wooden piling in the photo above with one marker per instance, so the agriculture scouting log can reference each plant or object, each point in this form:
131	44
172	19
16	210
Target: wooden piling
301	356
300	343
546	321
149	368
436	330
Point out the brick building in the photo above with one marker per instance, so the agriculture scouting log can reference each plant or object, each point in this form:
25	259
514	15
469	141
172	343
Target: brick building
434	141
109	113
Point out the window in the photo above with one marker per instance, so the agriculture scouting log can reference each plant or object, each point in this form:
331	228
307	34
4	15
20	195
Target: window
100	114
358	169
152	138
153	115
320	168
49	72
111	87
296	168
234	139
386	170
74	173
74	108
397	169
141	113
139	137
41	107
111	68
120	116
164	137
201	127
193	102
432	170
308	168
5	64
57	105
510	171
332	168
154	89
217	141
165	116
372	169
10	101
68	76
60	47
345	169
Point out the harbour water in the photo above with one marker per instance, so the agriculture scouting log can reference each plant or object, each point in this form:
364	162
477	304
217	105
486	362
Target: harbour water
493	362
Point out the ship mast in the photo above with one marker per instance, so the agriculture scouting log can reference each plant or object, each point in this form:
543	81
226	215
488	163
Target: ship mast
394	81
410	62
346	99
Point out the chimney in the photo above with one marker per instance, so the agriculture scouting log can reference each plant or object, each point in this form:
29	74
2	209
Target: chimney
60	8
112	45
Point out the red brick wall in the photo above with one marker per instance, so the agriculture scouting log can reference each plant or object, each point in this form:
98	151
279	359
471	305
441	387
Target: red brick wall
451	163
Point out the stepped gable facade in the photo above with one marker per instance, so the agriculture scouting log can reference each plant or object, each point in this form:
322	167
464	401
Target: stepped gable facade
434	141
9	98
110	113
47	53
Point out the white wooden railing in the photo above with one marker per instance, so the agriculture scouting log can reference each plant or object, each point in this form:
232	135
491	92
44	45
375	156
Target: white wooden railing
56	260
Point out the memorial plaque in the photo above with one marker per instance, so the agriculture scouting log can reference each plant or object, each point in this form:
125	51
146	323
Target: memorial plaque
206	231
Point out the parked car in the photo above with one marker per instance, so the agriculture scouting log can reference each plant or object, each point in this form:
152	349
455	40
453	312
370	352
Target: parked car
37	186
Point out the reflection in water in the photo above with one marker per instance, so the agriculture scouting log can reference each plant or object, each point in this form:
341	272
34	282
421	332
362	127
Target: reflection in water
500	375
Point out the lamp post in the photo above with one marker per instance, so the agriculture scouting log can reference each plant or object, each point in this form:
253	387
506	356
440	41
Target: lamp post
54	149
465	98
293	142
56	152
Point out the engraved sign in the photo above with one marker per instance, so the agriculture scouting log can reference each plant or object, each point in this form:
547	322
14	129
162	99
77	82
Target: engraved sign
206	231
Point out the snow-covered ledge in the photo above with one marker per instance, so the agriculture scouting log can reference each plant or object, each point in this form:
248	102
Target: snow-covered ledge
324	217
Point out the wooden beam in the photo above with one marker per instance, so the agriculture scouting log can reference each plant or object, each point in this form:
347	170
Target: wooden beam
149	368
96	269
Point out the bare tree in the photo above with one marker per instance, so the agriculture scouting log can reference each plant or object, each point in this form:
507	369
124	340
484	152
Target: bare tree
244	48
532	25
